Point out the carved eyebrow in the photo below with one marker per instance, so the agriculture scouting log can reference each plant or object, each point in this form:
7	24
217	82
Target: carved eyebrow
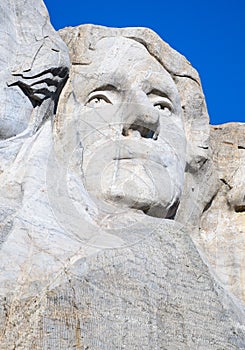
158	92
107	87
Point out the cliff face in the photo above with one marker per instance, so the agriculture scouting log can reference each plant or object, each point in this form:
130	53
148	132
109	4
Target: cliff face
34	61
222	232
156	294
122	212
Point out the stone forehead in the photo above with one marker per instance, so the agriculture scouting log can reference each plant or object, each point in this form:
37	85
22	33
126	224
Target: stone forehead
120	56
120	48
82	40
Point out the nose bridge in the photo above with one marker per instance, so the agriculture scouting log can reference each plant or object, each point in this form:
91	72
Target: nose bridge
141	112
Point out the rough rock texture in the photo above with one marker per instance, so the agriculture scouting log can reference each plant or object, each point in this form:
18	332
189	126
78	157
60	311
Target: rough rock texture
34	62
82	42
34	66
222	234
156	294
88	269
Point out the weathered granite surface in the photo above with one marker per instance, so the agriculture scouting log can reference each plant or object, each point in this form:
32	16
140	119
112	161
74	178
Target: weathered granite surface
34	62
87	45
155	294
222	233
88	265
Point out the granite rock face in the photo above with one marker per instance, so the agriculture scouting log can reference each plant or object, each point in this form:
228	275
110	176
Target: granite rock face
34	63
125	48
156	294
222	231
107	178
34	67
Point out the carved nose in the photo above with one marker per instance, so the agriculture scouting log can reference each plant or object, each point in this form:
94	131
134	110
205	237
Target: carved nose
142	120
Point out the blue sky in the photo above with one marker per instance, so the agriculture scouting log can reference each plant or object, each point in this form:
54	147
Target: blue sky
211	34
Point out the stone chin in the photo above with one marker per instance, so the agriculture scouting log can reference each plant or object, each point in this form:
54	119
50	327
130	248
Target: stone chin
137	184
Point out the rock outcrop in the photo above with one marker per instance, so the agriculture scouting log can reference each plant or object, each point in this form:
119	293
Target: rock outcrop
34	64
119	206
222	233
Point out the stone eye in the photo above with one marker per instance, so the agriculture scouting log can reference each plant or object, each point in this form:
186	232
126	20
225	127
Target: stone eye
163	107
96	101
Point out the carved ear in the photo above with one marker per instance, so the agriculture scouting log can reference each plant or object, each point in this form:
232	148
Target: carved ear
47	84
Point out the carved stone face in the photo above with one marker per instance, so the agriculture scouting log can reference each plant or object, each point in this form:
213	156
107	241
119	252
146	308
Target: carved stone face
131	129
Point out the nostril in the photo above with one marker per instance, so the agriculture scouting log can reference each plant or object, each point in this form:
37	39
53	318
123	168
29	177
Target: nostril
125	132
142	130
150	134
